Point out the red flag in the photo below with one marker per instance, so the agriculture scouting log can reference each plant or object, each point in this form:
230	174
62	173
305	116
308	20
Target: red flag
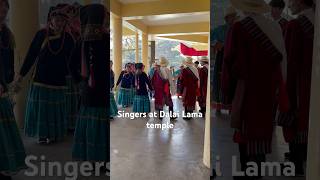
189	51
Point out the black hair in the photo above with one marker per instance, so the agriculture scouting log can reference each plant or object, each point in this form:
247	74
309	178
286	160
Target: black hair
138	66
309	3
196	62
127	65
277	3
7	3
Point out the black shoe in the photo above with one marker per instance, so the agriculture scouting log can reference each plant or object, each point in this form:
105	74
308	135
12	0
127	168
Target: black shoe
213	175
4	177
245	178
159	115
299	172
42	141
287	156
104	171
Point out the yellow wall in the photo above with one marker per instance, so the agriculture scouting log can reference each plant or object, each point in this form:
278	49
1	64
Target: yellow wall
24	24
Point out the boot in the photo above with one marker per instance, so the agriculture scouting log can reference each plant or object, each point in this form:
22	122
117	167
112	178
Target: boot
186	112
203	111
173	117
159	114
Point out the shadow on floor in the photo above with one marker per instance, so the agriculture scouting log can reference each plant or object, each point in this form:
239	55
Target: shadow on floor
223	148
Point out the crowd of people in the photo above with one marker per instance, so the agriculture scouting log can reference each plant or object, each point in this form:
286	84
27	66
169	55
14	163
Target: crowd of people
67	88
136	88
262	74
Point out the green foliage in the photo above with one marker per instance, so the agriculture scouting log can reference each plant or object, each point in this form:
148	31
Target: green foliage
168	49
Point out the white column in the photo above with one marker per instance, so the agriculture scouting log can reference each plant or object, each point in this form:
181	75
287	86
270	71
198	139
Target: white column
207	132
117	45
313	162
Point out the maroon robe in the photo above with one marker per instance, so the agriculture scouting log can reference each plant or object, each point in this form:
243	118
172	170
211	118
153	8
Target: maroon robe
253	68
189	85
162	93
299	44
203	74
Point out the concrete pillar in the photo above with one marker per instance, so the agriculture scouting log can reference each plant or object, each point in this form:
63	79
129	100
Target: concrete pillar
207	130
24	23
145	51
152	51
137	47
117	44
313	162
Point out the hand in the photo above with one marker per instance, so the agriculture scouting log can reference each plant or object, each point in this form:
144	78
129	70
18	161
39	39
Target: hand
218	47
18	78
16	85
1	90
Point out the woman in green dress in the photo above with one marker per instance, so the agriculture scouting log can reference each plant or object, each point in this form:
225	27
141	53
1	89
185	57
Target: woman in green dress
12	153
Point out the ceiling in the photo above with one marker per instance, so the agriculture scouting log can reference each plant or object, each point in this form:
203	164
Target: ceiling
170	19
135	1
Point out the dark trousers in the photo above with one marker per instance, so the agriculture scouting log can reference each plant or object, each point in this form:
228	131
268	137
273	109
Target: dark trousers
245	158
298	155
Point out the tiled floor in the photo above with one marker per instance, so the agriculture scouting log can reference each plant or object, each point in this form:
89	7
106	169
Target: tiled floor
60	152
138	153
224	148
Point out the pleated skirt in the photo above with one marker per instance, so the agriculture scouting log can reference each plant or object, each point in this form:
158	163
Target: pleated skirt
92	135
46	112
125	97
12	152
72	102
141	104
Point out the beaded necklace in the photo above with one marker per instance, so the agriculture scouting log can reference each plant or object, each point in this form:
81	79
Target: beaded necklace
61	46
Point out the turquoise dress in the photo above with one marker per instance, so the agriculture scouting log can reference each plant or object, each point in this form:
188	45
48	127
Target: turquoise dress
92	133
12	152
46	111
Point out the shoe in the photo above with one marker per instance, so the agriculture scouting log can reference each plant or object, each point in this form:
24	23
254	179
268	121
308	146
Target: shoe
213	175
186	118
299	172
4	177
159	115
287	156
42	141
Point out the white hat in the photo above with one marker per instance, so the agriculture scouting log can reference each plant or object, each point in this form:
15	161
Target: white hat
204	59
163	62
254	6
188	60
230	11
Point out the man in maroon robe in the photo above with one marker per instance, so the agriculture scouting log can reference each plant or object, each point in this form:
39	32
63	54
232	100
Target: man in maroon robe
203	74
299	44
190	85
162	82
277	7
254	51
